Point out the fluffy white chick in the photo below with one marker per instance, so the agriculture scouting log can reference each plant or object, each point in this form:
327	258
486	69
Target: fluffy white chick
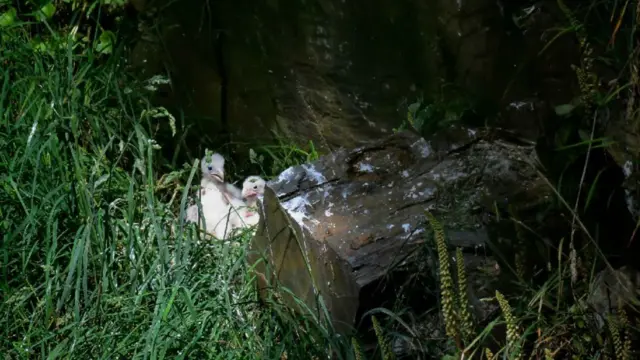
215	196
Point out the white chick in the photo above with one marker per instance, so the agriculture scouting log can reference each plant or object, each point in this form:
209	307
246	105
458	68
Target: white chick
243	212
215	196
252	189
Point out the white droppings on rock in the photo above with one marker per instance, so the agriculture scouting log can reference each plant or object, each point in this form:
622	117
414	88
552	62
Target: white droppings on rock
406	227
428	192
411	194
390	226
520	104
405	174
631	204
424	147
497	165
471	133
297	208
345	193
314	174
626	168
326	192
286	175
365	167
446	175
328	212
408	235
426	150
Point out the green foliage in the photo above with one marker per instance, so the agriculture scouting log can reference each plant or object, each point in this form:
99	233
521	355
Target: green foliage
621	335
96	261
61	23
357	352
554	320
544	310
446	281
513	335
428	115
466	322
386	352
271	160
455	305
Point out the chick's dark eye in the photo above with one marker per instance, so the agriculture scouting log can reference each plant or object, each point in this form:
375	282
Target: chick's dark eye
255	186
210	168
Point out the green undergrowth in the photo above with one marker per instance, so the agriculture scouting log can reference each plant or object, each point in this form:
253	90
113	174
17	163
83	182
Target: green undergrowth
557	319
561	316
95	261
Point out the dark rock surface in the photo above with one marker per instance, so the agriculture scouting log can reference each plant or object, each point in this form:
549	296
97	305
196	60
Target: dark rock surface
356	216
341	73
614	289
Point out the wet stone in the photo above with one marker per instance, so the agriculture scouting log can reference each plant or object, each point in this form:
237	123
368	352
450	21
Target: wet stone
340	225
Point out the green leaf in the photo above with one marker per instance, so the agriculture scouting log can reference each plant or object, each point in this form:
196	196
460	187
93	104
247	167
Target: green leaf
48	10
564	109
253	157
105	42
8	18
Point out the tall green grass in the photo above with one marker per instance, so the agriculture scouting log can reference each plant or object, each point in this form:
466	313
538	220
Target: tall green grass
95	261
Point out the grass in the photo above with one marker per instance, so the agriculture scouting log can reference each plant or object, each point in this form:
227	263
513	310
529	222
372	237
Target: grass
95	259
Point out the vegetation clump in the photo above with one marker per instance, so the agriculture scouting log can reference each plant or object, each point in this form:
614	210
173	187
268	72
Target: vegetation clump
96	260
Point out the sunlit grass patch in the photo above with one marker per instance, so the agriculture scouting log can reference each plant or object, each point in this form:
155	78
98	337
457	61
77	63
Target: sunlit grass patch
96	261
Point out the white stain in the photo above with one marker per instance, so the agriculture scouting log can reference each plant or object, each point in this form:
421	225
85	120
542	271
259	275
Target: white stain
408	235
428	192
423	147
411	194
345	193
627	168
520	104
446	175
314	174
631	205
406	227
297	208
365	167
286	175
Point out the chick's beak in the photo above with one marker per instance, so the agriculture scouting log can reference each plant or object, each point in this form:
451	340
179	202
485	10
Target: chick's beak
218	175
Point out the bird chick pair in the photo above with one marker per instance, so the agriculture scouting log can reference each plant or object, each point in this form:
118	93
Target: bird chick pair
225	208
